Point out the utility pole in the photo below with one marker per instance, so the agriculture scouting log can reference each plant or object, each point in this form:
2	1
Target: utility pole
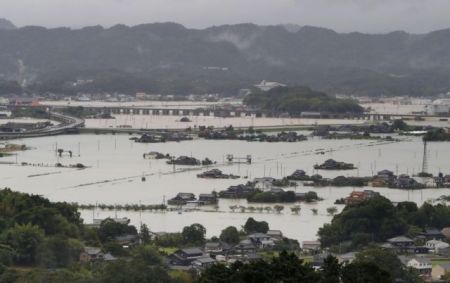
425	158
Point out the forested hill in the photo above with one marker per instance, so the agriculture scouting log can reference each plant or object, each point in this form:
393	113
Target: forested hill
170	58
300	99
6	25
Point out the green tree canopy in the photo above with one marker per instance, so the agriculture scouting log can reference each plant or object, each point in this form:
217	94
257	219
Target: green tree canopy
230	235
194	234
253	226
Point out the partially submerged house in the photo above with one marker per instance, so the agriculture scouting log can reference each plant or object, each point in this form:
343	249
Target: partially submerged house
360	196
332	164
181	199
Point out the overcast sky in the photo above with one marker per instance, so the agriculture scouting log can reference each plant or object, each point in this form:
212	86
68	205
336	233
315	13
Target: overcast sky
372	16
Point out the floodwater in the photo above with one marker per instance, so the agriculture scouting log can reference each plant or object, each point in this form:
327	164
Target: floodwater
173	122
116	166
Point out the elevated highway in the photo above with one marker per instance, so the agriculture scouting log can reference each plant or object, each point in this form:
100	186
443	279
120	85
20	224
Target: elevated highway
67	125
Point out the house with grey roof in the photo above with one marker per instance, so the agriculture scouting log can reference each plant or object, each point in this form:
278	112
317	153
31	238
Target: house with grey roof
185	256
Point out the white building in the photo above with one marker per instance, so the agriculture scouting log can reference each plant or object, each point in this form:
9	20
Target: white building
421	264
438	107
436	245
266	86
264	184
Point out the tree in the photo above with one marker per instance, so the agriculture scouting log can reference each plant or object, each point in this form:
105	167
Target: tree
331	210
331	270
194	234
109	229
278	208
385	260
311	196
148	254
253	226
315	211
375	220
364	272
399	124
59	251
230	235
122	271
144	234
296	209
217	273
25	239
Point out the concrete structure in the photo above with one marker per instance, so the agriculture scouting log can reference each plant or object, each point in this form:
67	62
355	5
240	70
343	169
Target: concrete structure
266	86
439	107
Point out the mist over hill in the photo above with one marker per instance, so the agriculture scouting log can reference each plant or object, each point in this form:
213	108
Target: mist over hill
169	58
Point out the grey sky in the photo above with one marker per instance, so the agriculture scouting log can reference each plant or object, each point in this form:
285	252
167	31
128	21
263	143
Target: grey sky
342	15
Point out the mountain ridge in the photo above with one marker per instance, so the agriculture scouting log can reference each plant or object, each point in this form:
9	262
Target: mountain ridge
170	54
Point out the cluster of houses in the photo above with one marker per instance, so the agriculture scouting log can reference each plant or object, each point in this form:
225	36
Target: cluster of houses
332	164
189	161
413	253
231	134
189	199
246	250
216	174
162	137
416	253
386	178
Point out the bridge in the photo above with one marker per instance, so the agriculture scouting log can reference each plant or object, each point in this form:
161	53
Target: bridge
242	112
238	112
67	125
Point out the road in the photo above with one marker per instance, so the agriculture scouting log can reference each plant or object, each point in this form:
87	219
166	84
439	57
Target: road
67	124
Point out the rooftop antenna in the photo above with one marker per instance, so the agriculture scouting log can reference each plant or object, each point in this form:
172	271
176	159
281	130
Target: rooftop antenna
425	158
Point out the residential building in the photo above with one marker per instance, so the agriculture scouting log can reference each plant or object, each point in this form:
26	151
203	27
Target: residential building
91	254
401	243
311	246
244	247
421	264
207	199
186	256
360	196
203	262
431	234
217	248
436	246
261	240
127	241
275	234
264	184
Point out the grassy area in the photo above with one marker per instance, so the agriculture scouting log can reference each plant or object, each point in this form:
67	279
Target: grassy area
437	261
168	250
181	276
307	258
